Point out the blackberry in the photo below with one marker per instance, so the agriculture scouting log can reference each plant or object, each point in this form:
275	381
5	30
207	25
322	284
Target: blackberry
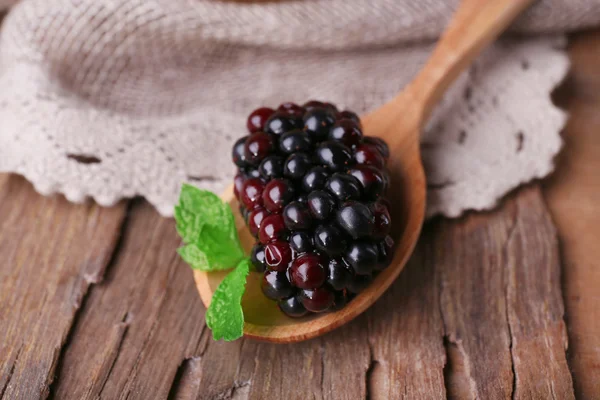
312	190
347	132
258	118
344	187
301	242
281	122
333	155
278	255
356	219
296	166
255	218
318	122
318	299
296	216
330	239
257	147
257	257
294	141
276	286
338	274
321	204
314	179
276	194
271	167
292	307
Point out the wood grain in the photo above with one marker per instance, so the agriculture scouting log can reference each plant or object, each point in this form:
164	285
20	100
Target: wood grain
52	252
574	199
140	323
141	332
501	303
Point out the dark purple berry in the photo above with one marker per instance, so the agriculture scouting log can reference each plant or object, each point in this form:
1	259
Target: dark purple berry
343	187
347	132
369	155
317	300
296	166
307	271
297	216
292	307
381	145
256	120
257	257
318	122
281	122
359	283
291	108
352	116
251	194
330	239
255	219
251	172
278	255
309	105
301	242
277	193
276	286
385	253
338	274
257	147
321	204
356	220
271	167
238	153
238	184
302	199
331	107
371	180
315	179
383	221
311	187
271	228
361	256
333	155
340	299
294	141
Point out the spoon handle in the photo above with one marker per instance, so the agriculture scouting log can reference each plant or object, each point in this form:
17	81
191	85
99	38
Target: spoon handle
474	25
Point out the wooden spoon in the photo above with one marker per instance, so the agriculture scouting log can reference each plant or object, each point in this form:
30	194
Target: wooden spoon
399	122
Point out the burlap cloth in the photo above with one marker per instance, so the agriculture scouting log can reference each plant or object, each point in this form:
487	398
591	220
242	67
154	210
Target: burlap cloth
111	99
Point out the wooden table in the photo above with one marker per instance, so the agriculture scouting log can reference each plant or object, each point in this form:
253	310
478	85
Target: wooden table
95	303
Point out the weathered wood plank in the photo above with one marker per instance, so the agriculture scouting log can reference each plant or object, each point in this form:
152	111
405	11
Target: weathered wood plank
501	303
144	314
573	196
534	304
463	284
142	330
52	252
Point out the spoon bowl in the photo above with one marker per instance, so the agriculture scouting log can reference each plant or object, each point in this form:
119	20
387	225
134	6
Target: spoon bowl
399	122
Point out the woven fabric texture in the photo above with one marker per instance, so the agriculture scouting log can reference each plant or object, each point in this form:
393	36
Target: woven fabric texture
112	99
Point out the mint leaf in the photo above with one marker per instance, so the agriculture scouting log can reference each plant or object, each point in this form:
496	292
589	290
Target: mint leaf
224	315
207	226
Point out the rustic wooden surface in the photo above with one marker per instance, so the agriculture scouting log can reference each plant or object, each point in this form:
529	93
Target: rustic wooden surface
94	302
573	196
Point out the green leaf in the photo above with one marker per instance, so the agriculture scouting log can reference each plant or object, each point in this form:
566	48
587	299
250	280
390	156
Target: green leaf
207	226
224	315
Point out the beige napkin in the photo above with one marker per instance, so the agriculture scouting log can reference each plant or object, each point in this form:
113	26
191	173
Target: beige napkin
111	99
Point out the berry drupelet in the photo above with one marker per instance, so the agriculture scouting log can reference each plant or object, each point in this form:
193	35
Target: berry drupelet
312	191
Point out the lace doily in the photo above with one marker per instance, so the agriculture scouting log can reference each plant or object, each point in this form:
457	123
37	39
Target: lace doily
112	99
